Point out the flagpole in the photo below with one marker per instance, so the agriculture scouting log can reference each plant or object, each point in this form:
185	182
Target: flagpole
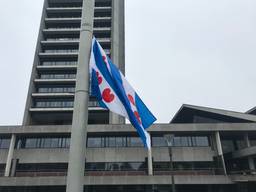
150	161
76	166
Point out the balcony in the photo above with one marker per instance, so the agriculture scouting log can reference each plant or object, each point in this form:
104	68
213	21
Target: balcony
55	81
53	95
76	31
55	67
70	55
60	42
76	10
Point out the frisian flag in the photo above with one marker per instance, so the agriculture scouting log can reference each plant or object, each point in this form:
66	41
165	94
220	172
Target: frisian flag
113	92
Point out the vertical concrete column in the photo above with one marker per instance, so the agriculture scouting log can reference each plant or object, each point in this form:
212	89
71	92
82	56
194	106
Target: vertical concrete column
75	178
117	47
10	156
247	140
250	159
219	151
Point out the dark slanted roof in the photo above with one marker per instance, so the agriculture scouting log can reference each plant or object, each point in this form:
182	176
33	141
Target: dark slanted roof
197	114
252	111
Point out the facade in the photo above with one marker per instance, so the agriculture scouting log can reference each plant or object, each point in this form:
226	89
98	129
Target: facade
213	150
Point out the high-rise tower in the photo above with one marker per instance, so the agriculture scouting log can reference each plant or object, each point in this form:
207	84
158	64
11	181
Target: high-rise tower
51	91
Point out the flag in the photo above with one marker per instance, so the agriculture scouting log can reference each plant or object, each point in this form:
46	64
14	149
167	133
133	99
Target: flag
113	92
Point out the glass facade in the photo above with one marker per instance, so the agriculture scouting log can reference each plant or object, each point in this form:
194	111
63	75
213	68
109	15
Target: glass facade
61	51
4	143
56	89
182	141
192	165
30	143
157	141
56	63
105	141
54	104
116	166
230	144
58	76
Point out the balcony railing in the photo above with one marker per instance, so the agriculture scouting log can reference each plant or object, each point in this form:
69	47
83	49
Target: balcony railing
196	171
42	173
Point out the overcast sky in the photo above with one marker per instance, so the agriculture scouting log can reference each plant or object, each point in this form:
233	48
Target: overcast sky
199	52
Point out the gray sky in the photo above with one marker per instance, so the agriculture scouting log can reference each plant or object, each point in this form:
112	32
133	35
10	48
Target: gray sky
199	52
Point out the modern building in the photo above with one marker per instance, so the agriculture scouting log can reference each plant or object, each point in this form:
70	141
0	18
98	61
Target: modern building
212	150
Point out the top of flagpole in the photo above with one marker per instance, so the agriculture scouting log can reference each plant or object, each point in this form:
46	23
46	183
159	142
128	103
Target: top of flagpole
76	165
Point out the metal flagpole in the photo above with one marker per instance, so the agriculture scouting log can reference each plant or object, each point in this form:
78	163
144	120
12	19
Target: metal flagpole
150	161
75	178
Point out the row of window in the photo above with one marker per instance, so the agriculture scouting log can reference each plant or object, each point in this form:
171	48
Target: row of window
58	76
79	5
61	104
54	104
229	145
77	15
62	39
63	142
62	28
101	142
70	39
141	166
116	166
4	143
101	23
183	141
61	51
67	51
56	89
53	63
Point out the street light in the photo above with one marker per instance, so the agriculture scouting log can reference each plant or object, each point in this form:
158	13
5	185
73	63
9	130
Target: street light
169	140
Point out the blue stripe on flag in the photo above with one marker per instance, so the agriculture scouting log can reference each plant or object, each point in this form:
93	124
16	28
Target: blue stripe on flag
147	118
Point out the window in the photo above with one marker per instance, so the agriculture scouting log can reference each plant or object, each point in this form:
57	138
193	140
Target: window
56	89
32	143
61	50
116	166
120	141
61	142
110	141
95	142
54	104
58	76
134	142
228	146
4	143
158	142
181	141
202	141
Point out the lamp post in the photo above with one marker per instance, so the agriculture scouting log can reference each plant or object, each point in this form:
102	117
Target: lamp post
169	140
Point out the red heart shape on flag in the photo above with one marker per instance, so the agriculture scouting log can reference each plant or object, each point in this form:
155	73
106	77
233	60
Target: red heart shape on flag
137	115
99	77
131	99
107	95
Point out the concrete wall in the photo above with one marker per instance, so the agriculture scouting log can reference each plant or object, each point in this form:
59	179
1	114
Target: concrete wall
118	180
113	155
41	155
27	117
3	155
120	128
